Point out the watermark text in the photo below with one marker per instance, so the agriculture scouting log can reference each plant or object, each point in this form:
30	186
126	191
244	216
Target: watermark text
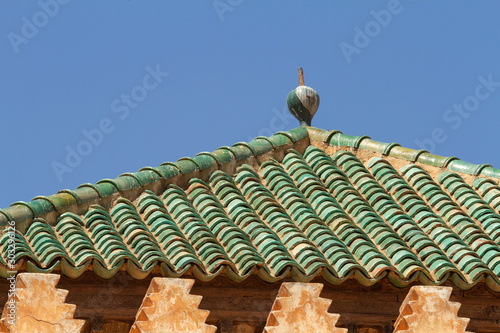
122	107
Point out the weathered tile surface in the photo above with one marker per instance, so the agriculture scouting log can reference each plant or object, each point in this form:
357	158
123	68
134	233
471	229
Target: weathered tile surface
427	309
298	308
168	307
39	307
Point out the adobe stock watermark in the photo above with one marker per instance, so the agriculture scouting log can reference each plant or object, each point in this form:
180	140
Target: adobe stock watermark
30	27
11	306
106	296
223	6
373	28
277	123
460	111
121	108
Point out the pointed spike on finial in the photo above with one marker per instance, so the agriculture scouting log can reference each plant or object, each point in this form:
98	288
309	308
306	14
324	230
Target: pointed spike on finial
301	77
303	101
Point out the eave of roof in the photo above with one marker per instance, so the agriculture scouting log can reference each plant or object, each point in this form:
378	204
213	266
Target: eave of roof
277	207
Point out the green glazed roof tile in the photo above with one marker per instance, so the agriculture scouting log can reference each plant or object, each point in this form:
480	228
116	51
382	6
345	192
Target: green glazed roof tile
293	211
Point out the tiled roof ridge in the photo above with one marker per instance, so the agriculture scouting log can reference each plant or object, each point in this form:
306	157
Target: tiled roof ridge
23	213
452	163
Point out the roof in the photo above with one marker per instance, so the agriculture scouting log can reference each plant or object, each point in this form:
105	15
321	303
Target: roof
299	204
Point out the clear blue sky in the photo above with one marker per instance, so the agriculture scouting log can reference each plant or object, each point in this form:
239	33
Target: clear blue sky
70	67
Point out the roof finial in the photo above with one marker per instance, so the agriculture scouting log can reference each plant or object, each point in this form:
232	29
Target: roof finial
303	101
